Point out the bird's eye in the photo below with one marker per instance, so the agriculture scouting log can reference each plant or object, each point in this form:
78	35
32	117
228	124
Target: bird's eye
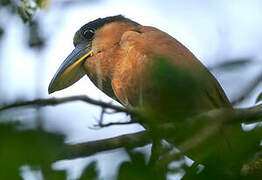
89	33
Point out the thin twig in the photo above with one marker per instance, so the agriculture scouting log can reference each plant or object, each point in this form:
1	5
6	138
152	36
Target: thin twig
100	122
114	123
247	91
232	63
58	101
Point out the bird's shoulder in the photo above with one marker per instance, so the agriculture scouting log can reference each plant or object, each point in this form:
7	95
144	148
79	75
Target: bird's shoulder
143	35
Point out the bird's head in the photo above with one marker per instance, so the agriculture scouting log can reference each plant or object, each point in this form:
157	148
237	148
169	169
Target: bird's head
92	38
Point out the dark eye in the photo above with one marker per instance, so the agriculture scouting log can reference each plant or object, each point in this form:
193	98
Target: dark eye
89	33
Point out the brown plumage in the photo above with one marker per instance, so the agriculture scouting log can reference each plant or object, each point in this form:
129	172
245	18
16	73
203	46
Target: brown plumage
123	53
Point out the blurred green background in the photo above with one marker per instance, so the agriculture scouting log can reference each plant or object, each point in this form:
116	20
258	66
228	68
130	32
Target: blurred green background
35	37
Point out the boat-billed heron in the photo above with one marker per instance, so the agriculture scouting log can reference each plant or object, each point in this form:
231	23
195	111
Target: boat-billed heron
118	56
122	58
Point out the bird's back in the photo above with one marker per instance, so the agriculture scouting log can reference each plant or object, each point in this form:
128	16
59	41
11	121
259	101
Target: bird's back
135	84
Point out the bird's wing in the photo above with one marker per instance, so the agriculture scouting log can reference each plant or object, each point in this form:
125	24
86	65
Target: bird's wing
131	82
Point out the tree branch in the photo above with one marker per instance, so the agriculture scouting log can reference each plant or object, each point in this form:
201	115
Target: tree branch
221	116
58	101
238	115
89	148
248	115
216	118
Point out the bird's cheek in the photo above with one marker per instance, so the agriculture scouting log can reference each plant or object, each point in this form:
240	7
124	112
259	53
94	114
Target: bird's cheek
88	65
92	67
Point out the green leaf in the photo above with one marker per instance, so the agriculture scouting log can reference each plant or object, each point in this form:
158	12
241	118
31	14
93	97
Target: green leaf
90	172
30	147
242	146
43	4
259	98
1	32
137	168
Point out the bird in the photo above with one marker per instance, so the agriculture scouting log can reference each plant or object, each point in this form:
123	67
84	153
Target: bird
132	64
116	52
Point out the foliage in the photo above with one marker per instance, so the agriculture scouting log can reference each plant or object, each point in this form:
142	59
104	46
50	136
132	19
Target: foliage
90	172
35	148
220	151
259	98
138	168
25	8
